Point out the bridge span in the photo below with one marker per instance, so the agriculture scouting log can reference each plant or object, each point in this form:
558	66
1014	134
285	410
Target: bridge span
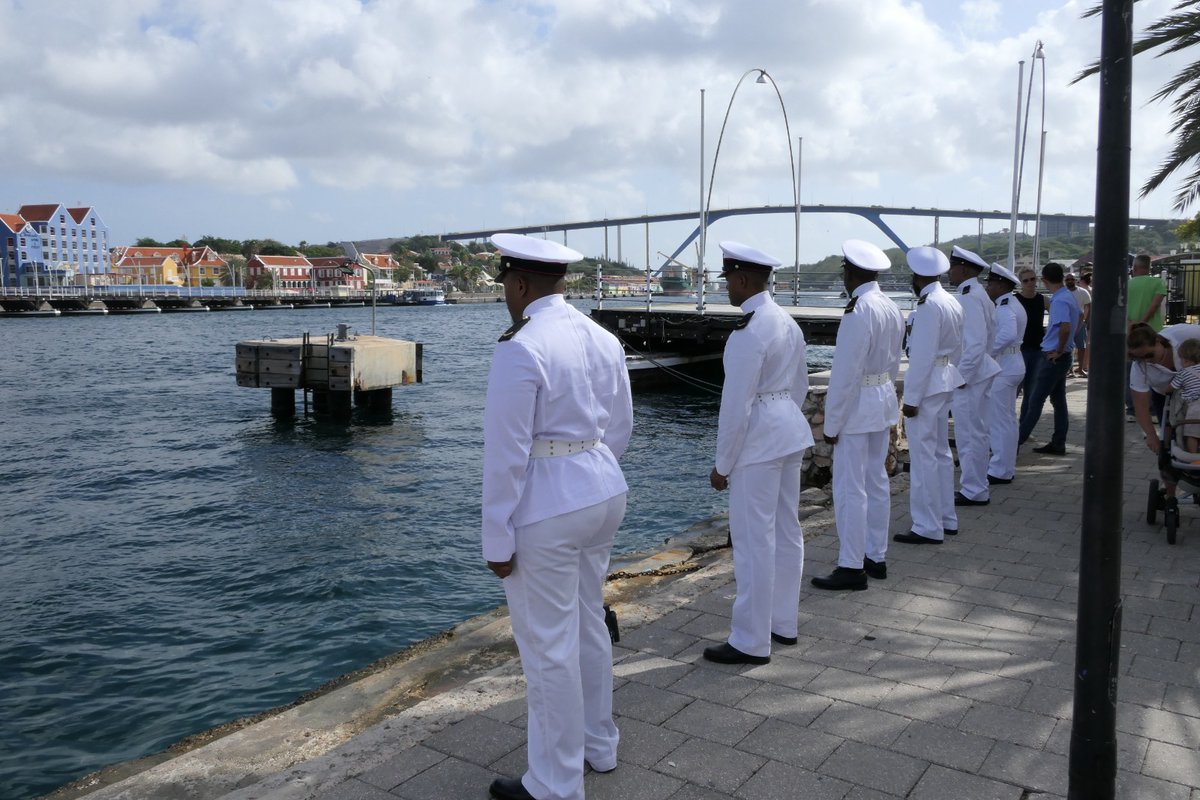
873	214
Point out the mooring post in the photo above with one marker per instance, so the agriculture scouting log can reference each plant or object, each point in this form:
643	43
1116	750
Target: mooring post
283	402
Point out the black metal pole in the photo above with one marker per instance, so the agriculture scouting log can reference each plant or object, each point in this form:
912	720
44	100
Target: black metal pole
1093	761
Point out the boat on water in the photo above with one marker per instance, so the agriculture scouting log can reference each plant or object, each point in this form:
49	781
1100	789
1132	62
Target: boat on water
423	296
649	370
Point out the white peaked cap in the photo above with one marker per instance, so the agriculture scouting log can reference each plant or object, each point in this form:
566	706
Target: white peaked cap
967	255
928	261
1001	271
531	248
865	255
749	255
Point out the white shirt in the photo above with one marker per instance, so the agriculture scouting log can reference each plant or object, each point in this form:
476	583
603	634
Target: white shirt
1143	375
560	377
1010	332
935	334
979	331
869	339
765	357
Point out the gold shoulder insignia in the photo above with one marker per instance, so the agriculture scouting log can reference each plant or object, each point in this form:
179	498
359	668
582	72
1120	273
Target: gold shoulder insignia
511	332
921	302
850	305
743	322
966	289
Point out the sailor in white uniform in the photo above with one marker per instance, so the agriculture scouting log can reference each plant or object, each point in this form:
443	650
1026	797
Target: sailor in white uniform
934	346
1006	349
970	404
558	417
860	410
761	438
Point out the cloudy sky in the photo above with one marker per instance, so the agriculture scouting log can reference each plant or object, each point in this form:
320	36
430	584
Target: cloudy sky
319	120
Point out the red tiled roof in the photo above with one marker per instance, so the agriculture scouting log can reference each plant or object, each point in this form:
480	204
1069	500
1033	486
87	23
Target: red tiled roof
14	222
282	261
38	213
79	214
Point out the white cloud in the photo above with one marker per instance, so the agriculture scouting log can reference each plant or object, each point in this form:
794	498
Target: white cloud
428	115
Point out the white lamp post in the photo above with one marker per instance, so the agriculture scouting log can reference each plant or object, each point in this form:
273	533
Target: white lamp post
1019	155
706	200
356	259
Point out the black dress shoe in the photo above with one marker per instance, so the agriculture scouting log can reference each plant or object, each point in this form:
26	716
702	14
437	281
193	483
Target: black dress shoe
949	531
875	569
993	479
509	789
788	640
914	538
961	499
842	578
728	654
1051	450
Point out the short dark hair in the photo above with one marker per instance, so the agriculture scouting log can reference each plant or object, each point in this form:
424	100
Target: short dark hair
1142	258
1053	272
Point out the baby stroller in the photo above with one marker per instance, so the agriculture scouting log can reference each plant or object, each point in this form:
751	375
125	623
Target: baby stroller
1175	466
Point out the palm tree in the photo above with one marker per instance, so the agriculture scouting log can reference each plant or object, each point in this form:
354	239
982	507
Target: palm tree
1177	31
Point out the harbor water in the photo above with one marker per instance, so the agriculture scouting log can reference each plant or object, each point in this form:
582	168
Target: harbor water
174	558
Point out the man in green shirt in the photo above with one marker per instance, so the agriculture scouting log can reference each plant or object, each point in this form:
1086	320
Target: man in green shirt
1144	303
1146	294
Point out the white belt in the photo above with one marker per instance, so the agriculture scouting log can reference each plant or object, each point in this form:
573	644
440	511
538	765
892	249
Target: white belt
1009	351
765	396
878	379
942	361
549	448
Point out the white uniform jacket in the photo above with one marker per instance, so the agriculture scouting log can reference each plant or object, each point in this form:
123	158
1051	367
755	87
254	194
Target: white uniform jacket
866	361
1010	331
979	331
934	345
561	377
766	381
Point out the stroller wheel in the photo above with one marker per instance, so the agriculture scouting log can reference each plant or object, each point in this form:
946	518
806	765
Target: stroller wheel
1171	520
1153	502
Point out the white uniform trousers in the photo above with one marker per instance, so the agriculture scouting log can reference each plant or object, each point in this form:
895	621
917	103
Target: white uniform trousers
768	552
862	497
1002	424
556	602
970	406
931	468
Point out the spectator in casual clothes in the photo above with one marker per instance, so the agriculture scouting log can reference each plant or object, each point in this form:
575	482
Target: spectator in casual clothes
1051	378
1034	303
1145	298
1084	298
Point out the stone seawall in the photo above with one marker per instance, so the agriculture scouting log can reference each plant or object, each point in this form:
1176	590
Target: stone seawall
818	462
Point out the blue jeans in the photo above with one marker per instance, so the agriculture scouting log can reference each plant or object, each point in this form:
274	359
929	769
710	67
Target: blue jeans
1050	381
1033	357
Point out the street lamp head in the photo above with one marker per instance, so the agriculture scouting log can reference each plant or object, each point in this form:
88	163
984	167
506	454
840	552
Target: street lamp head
762	76
346	269
1037	51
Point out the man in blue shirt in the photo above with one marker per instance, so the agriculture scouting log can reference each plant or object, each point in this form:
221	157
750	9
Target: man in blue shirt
1050	379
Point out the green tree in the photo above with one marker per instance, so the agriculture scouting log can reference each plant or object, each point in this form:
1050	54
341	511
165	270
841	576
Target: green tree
270	247
427	261
146	241
1175	32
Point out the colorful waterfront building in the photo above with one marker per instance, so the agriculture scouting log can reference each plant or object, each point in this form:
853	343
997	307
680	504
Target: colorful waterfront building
74	244
193	266
21	262
291	273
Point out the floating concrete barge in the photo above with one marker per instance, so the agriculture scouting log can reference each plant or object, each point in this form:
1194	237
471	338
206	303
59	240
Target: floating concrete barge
336	370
